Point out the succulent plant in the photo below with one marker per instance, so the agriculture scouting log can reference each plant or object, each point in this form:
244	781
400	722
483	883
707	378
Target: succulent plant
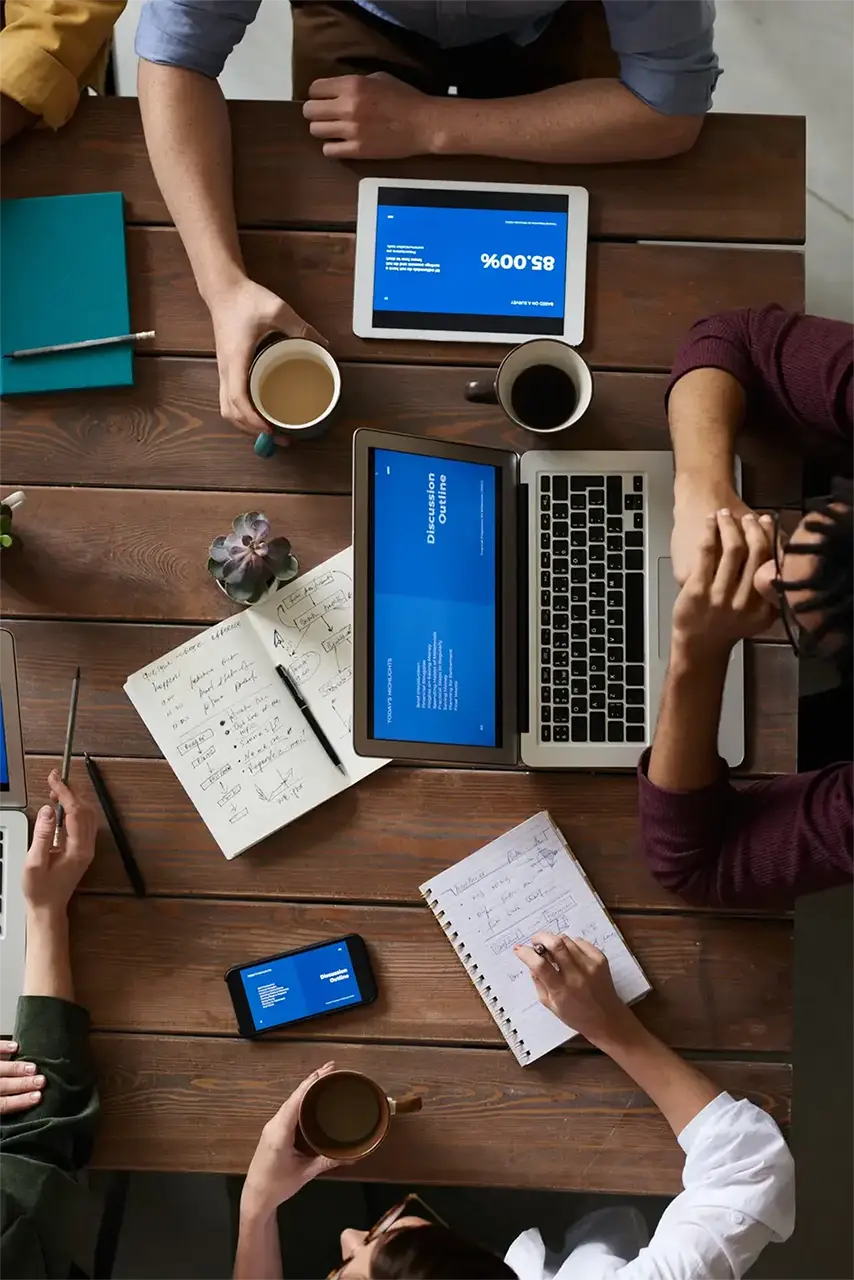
7	507
247	562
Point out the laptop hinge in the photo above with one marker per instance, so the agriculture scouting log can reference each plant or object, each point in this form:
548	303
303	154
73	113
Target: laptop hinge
523	606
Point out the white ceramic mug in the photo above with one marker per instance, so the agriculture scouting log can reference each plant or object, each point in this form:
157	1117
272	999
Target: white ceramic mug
539	351
276	351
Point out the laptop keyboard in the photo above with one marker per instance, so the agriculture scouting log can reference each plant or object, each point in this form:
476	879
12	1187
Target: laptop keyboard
592	607
2	882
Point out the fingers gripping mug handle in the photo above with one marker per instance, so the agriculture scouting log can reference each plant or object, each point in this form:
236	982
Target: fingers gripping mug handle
406	1106
481	391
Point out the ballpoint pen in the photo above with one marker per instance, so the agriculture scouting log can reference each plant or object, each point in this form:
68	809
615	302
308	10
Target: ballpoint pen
293	690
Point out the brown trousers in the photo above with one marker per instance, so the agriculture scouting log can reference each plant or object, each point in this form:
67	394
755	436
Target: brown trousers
339	39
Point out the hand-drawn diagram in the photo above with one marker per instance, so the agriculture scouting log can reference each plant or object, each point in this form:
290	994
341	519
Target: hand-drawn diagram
313	629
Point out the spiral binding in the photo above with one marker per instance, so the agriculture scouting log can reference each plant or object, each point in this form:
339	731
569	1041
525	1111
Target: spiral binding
505	1026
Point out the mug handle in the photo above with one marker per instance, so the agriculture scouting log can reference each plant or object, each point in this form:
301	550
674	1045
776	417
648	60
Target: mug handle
482	391
265	445
406	1106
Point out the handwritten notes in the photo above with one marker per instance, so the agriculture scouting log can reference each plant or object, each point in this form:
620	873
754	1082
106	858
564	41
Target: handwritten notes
227	724
522	883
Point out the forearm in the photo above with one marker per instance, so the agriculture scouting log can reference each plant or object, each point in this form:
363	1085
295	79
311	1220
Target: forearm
258	1255
47	970
188	135
676	1087
705	411
684	754
588	122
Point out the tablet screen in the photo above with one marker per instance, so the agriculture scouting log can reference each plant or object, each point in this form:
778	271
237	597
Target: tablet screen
474	261
434	539
4	760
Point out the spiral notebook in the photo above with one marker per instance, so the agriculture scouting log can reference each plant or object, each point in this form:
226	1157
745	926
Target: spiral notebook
526	880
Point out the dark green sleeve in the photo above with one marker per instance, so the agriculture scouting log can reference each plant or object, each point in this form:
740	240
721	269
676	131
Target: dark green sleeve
42	1150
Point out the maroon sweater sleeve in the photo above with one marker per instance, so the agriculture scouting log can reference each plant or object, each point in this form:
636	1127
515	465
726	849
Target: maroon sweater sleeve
758	845
797	372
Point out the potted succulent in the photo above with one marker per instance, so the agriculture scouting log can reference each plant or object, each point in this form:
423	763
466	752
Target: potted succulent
247	564
7	507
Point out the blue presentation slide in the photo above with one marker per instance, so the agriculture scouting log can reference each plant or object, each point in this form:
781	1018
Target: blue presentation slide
491	262
297	986
434	581
4	762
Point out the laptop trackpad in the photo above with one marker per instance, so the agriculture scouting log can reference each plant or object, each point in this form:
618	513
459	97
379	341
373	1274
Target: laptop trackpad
731	733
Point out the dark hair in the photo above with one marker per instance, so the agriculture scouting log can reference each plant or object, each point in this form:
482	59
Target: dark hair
434	1253
831	584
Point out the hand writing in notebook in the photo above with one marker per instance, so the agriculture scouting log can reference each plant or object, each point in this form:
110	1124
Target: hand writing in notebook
573	979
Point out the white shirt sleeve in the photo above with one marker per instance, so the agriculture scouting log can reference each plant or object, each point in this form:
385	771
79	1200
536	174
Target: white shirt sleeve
739	1195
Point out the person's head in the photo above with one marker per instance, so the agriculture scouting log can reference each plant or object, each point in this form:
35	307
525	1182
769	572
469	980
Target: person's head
811	578
405	1245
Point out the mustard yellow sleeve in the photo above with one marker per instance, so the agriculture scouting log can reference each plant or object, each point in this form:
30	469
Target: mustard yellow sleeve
48	50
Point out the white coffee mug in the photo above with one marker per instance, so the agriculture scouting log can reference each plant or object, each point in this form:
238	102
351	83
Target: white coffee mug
276	351
539	351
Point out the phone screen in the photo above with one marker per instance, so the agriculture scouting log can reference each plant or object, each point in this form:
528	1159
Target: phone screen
299	986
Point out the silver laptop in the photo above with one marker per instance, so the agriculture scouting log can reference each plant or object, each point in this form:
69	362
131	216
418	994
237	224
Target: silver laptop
514	608
14	837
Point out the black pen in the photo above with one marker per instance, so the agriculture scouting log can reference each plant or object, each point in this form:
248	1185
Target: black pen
128	860
293	690
66	755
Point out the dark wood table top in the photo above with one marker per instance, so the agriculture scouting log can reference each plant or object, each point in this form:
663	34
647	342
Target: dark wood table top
126	487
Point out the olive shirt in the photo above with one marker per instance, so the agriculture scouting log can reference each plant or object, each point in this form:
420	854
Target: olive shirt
46	1216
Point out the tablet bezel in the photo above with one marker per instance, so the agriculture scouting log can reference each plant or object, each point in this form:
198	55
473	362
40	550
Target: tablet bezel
16	796
576	263
507	752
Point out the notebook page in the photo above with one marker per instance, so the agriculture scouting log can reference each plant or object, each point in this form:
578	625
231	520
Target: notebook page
307	627
523	882
233	735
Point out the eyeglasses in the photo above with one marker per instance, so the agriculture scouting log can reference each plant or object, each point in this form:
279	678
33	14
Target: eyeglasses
388	1220
790	623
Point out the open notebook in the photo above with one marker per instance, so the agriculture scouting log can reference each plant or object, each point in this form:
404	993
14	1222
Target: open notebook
525	881
230	729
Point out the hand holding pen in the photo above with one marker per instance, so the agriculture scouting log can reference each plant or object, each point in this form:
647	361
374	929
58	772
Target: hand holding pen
573	979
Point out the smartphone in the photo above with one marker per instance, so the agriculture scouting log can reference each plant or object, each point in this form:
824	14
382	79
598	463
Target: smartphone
299	985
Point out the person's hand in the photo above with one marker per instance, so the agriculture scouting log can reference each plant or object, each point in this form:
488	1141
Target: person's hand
20	1084
574	980
375	117
278	1170
51	875
242	315
719	604
694	500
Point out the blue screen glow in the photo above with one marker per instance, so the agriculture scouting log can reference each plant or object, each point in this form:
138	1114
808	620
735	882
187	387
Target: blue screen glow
434	554
4	759
281	991
490	268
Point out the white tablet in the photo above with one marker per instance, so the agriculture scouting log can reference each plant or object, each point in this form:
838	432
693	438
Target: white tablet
469	261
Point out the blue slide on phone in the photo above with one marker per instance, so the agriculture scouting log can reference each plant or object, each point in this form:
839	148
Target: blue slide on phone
434	599
291	987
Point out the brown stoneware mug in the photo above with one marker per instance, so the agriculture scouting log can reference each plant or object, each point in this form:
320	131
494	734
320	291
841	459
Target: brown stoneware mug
345	1115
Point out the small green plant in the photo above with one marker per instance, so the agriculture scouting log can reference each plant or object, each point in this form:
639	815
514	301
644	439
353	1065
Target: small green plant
7	509
247	563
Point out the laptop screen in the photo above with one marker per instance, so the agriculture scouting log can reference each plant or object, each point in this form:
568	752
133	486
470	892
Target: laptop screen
4	759
434	572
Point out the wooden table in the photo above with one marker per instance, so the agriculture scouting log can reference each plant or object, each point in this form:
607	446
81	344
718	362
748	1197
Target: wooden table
126	489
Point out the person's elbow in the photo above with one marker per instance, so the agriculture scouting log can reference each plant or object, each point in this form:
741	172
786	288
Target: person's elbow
668	135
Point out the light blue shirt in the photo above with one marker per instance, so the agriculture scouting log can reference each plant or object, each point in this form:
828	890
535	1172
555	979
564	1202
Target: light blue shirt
665	47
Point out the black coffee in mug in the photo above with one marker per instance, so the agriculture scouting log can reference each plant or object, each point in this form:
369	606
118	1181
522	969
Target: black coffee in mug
543	396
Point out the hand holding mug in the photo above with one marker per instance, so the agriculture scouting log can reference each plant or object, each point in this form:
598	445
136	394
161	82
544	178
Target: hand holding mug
278	1169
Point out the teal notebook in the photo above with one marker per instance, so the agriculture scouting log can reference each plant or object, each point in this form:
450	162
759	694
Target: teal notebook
63	278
